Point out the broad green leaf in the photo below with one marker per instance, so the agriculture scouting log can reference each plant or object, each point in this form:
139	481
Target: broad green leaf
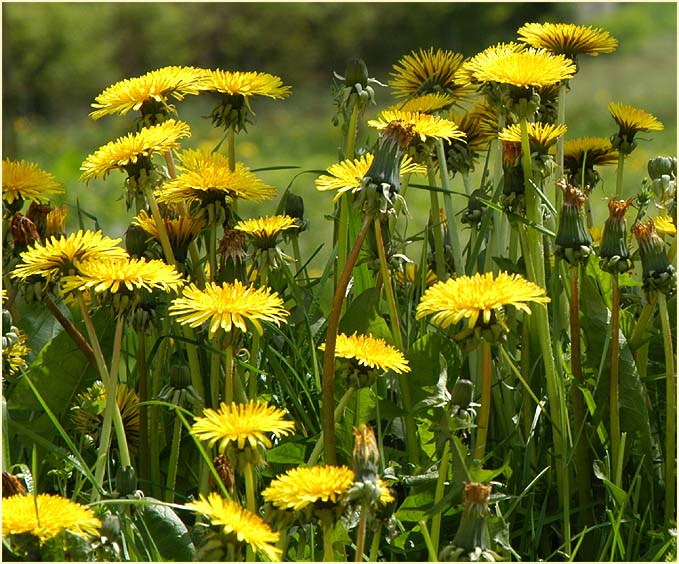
287	453
363	316
169	533
416	506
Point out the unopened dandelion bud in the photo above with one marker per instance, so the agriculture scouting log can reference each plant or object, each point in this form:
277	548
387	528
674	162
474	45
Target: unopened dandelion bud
136	241
356	73
463	393
573	241
366	455
180	376
472	537
658	273
126	480
661	166
294	206
614	254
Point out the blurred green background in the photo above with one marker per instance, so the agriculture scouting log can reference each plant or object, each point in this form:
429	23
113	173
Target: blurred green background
58	56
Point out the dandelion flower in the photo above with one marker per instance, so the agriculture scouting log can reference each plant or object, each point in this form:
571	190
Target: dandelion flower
22	180
54	515
152	87
15	352
246	526
347	175
207	177
227	306
523	69
65	254
245	84
632	120
466	73
541	136
371	352
124	273
128	150
244	425
479	295
568	39
265	230
301	487
664	224
427	72
426	104
422	125
180	230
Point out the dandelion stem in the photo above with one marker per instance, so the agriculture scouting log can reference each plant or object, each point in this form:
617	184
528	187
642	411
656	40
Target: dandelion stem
228	374
72	331
453	228
338	411
143	382
327	411
328	554
436	225
484	414
231	147
427	541
444	465
250	488
671	412
618	178
160	224
614	405
561	120
174	457
360	533
403	383
375	544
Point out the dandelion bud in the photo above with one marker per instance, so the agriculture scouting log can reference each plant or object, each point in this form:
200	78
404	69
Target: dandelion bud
385	171
658	273
366	454
614	254
126	480
356	73
135	241
661	166
462	394
573	241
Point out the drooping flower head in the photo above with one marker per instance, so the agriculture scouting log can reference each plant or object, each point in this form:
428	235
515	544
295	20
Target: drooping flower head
149	93
236	89
428	72
265	230
45	516
236	521
567	39
630	121
658	273
22	180
480	299
347	175
302	487
614	255
64	255
242	427
573	242
132	152
582	154
207	178
228	306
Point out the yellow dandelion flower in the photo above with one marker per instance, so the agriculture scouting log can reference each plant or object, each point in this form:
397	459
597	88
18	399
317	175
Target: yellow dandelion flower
411	274
589	152
300	487
246	84
371	352
347	175
130	148
479	126
180	230
385	493
473	296
429	103
22	180
567	39
54	515
597	234
207	177
632	120
265	230
15	353
664	224
541	136
123	273
63	255
154	86
245	425
55	221
423	125
465	74
526	68
427	72
228	305
236	520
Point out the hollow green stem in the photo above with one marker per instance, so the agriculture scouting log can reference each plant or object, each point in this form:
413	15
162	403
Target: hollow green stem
453	227
375	544
142	383
427	541
561	120
231	148
444	465
614	405
484	413
212	250
328	554
412	441
327	411
619	175
228	374
671	412
436	227
250	499
160	224
360	532
254	361
173	463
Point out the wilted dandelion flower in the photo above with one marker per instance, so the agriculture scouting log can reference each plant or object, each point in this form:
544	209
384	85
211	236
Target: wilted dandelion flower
428	72
150	89
301	487
248	425
567	39
207	177
227	306
64	255
238	521
22	180
54	515
541	136
265	230
630	121
477	296
127	151
347	175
